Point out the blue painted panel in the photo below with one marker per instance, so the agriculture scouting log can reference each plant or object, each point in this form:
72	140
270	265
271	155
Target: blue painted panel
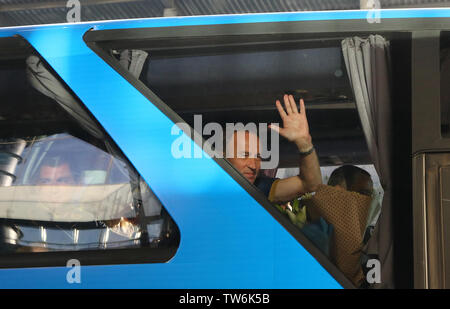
240	19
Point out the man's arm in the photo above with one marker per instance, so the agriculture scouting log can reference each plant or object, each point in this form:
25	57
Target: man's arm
296	129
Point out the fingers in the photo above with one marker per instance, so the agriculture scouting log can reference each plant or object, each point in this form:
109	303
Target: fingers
280	109
290	106
287	104
293	105
302	107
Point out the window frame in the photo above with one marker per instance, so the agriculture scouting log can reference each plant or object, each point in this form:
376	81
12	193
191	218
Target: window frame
95	38
114	256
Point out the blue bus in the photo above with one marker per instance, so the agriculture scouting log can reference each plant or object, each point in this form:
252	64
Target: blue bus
95	104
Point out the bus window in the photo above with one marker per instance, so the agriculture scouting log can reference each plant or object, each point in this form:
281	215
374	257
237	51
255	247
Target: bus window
228	82
64	185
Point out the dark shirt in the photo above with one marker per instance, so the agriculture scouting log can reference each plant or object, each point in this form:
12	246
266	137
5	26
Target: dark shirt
264	184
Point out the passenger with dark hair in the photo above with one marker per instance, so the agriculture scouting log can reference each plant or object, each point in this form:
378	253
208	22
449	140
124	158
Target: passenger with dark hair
352	178
56	171
344	203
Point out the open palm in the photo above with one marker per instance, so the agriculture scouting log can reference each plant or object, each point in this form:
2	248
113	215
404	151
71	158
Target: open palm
295	124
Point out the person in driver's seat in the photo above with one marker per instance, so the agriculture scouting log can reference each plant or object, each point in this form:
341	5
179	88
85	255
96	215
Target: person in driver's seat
55	171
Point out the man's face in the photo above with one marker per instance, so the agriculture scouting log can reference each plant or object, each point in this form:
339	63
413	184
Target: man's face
56	175
246	157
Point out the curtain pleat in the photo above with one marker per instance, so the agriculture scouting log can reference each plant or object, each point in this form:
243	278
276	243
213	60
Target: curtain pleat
368	67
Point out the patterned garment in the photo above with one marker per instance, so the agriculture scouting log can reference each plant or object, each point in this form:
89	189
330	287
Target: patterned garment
347	212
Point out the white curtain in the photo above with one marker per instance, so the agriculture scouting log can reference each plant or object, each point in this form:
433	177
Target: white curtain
368	67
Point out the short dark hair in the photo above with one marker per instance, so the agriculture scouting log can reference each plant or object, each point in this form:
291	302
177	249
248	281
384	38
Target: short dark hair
346	176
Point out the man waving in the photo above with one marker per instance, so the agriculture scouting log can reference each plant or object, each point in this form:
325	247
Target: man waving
295	129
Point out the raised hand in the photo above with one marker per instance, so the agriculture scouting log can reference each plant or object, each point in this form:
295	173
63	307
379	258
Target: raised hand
295	124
